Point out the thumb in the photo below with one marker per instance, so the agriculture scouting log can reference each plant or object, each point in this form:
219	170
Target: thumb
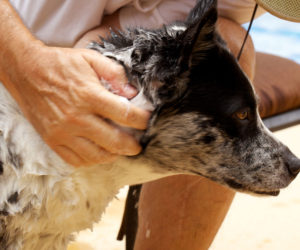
111	74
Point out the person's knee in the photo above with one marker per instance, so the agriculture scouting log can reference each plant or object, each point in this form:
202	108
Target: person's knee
234	35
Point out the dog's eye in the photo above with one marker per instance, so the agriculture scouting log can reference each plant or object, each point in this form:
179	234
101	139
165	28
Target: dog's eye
242	115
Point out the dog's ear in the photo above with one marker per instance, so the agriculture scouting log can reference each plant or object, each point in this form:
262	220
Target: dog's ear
200	34
179	51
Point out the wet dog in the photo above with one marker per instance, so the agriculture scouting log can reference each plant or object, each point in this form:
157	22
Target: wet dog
204	121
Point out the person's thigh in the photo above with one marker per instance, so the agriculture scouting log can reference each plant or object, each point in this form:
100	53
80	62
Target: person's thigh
181	213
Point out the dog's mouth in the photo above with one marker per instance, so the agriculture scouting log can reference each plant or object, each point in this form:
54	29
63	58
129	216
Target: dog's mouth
241	188
269	193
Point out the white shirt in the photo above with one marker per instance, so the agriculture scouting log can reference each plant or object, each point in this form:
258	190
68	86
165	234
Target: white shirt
62	22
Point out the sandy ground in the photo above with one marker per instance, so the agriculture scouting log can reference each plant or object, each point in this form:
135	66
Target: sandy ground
252	222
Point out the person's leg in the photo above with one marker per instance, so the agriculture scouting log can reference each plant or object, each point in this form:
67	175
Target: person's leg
185	212
181	213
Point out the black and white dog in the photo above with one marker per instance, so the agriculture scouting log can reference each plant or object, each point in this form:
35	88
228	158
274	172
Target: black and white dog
204	122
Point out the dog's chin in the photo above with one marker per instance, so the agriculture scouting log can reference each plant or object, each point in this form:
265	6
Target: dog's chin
265	193
258	192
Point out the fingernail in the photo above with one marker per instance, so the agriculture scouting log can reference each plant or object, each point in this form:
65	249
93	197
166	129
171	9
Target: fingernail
133	152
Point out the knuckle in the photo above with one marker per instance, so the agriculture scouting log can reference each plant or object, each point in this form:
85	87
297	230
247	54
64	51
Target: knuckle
52	136
71	117
109	158
100	157
137	118
115	147
76	164
116	143
70	159
95	158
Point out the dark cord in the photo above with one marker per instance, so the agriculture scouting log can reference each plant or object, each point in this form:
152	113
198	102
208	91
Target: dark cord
247	34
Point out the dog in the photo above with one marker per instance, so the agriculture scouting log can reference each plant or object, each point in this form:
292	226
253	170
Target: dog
204	122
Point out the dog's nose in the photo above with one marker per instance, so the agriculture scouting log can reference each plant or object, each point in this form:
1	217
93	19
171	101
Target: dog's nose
292	162
294	165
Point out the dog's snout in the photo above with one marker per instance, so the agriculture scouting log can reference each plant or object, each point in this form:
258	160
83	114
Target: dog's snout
292	163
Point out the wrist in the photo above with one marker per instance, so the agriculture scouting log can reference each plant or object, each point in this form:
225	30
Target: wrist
15	42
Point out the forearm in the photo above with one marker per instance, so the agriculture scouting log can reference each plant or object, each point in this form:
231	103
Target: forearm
15	42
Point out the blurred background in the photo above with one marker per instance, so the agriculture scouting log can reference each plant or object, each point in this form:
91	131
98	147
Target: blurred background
252	222
276	36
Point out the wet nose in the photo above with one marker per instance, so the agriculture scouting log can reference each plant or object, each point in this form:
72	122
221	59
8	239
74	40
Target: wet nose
292	162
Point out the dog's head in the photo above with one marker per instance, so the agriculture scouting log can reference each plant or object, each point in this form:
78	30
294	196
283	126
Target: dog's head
205	119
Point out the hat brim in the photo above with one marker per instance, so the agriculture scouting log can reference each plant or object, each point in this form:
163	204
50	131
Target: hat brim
288	10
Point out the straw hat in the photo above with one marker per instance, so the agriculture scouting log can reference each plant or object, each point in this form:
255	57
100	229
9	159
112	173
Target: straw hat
285	9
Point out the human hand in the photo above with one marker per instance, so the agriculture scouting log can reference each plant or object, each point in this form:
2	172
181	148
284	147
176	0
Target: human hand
59	91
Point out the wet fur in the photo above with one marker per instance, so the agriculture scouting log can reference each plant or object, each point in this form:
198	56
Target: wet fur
186	74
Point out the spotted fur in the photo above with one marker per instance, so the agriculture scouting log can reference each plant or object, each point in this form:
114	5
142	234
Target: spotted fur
194	86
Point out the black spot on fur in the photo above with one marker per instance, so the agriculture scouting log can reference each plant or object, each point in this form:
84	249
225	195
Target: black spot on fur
254	169
233	184
223	166
207	139
198	159
248	159
1	167
87	204
15	160
211	170
13	198
146	139
43	236
4	213
257	179
273	193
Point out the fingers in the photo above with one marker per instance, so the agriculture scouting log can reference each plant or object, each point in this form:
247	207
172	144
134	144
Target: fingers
82	152
119	110
90	140
112	72
89	151
107	136
69	156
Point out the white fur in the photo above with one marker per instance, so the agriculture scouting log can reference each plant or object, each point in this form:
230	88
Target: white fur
55	198
140	101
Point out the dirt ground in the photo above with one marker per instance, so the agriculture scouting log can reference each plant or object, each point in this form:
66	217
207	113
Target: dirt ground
252	222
